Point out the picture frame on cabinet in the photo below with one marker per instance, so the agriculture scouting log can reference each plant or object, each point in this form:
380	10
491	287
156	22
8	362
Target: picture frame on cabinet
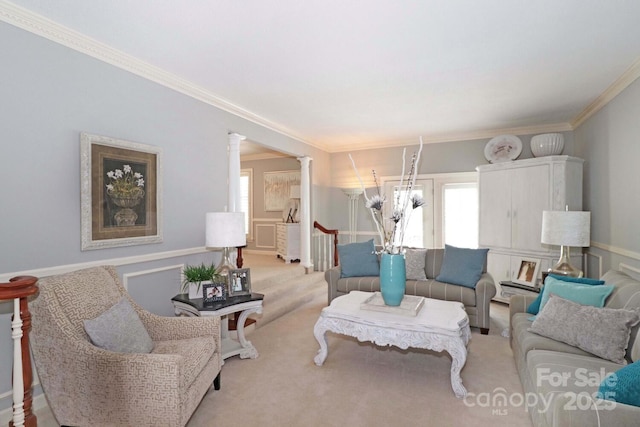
527	273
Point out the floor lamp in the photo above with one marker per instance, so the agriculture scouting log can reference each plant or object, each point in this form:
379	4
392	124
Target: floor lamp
354	195
225	230
566	229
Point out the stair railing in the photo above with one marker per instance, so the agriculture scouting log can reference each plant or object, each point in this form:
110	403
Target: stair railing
18	289
326	250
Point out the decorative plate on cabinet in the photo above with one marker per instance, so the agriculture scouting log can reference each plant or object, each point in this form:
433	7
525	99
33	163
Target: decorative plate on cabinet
503	148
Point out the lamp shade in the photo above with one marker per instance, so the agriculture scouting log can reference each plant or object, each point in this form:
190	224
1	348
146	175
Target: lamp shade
294	192
566	228
225	230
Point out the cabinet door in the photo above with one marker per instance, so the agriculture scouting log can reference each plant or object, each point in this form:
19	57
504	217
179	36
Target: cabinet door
495	209
530	195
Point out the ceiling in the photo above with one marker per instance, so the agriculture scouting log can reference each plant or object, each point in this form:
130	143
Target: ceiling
343	75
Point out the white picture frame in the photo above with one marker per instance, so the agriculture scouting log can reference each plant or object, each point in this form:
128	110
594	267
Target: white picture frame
277	187
99	156
527	273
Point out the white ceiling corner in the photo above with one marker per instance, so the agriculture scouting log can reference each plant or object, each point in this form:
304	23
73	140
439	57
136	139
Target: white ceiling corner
352	75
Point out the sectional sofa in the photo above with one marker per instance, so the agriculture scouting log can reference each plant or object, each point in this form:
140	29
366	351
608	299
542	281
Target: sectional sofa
562	381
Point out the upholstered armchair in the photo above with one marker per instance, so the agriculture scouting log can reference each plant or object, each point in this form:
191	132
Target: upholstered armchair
86	385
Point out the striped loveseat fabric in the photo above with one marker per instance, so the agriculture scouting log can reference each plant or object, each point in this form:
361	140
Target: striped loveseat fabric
476	300
88	386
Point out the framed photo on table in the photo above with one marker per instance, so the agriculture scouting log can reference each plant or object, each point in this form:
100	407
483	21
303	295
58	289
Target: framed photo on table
527	273
239	282
212	292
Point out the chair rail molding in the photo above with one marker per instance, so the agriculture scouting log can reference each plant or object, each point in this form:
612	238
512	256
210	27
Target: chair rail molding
61	269
616	250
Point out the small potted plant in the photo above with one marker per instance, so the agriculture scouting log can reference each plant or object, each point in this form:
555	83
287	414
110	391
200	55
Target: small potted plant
196	275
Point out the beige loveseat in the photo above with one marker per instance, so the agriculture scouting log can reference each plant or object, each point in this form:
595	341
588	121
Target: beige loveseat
89	386
476	301
560	380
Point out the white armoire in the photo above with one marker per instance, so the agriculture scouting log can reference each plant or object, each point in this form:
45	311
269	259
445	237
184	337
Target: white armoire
512	198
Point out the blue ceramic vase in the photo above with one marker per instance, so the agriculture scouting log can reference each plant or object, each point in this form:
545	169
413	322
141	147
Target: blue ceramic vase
393	277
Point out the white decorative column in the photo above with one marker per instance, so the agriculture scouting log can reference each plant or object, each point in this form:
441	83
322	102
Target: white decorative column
305	214
354	197
233	197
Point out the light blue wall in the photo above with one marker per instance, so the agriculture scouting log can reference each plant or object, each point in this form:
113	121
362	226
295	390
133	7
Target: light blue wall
610	143
48	95
450	157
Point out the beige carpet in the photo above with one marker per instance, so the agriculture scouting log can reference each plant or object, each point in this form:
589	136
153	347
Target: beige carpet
360	384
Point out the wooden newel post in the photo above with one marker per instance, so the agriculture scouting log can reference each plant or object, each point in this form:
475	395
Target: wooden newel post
19	289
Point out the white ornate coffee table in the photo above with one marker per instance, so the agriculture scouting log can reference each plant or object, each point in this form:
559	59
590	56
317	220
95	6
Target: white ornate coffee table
439	326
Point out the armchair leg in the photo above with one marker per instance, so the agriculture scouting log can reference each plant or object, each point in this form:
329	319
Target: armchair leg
216	382
484	331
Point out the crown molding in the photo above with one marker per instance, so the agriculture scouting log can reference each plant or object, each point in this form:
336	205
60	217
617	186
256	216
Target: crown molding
466	136
41	26
621	83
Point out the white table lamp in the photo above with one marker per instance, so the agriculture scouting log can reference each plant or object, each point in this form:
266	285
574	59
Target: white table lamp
225	230
566	229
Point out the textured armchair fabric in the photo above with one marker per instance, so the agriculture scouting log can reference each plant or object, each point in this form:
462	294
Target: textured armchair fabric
88	386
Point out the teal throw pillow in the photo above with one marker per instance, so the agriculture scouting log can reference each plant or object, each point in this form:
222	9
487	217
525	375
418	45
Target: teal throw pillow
358	259
580	280
582	294
622	385
534	307
462	266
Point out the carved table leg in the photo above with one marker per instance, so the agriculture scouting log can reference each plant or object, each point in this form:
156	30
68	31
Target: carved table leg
248	350
458	351
319	331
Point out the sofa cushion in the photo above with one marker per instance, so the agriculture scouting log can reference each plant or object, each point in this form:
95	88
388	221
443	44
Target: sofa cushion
415	260
444	291
462	266
554	373
534	307
358	259
433	262
576	292
427	288
196	353
622	386
601	331
119	329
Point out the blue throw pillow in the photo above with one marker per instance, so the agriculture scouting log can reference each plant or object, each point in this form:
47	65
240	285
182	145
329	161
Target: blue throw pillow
622	385
462	266
358	259
582	294
534	307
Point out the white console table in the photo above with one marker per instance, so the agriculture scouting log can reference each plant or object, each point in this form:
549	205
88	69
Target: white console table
288	241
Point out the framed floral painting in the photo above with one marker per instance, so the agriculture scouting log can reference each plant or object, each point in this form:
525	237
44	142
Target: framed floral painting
121	192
